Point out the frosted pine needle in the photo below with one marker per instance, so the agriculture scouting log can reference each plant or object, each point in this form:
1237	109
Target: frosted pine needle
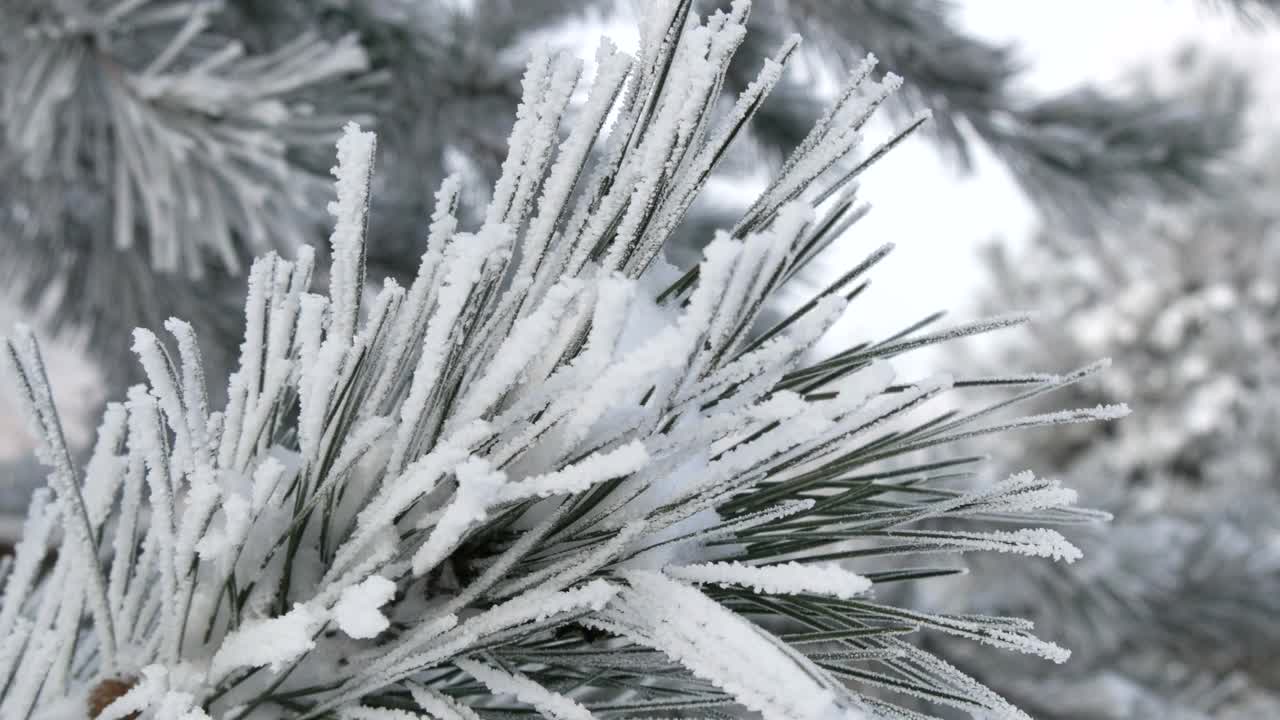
551	476
784	579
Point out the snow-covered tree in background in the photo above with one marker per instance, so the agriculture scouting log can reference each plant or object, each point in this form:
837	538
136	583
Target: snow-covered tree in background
552	475
1173	611
144	150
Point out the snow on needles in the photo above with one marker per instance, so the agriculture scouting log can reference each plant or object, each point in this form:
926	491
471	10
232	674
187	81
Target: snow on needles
354	172
785	579
271	641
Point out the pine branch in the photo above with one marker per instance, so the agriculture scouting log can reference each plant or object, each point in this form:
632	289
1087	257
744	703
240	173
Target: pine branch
492	491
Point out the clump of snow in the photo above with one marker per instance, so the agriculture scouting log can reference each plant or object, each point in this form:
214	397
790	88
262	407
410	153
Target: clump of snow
271	642
356	611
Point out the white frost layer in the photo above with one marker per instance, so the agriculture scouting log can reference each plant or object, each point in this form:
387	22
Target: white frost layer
790	578
350	212
553	704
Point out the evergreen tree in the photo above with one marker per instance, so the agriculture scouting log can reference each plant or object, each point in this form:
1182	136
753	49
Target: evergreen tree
1172	614
552	476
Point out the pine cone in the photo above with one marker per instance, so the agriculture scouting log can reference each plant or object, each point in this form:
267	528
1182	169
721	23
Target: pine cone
107	692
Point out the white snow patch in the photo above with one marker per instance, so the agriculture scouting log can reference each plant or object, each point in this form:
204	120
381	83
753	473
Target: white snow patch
356	611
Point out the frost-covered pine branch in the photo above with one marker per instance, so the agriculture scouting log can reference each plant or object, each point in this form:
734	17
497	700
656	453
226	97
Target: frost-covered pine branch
551	475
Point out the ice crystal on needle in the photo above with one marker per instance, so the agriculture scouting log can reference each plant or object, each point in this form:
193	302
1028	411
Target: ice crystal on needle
550	475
